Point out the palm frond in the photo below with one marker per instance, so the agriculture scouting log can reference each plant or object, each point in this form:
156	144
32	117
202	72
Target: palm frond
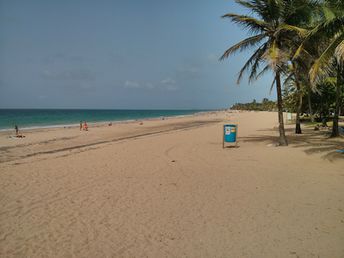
262	72
300	31
266	10
252	24
256	55
272	85
245	4
330	80
289	80
328	13
301	50
254	70
339	53
243	45
321	65
328	28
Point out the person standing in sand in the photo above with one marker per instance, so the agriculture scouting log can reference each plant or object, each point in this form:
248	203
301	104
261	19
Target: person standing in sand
85	126
80	125
17	132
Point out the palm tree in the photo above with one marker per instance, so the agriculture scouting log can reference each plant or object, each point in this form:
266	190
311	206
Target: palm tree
293	81
300	69
329	37
268	39
267	51
298	20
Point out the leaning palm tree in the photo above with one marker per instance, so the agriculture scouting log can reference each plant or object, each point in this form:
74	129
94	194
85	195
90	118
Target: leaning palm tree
269	42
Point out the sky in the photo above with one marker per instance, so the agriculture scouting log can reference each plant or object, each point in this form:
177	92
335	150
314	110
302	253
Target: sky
122	54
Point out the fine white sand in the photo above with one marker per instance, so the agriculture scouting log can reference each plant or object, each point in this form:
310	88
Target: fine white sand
167	188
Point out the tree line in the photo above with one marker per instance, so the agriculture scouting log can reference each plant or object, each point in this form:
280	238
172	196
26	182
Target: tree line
302	43
265	105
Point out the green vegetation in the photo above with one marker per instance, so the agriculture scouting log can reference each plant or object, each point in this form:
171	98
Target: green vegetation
265	105
302	43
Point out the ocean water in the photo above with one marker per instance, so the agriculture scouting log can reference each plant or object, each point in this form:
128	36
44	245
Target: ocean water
36	118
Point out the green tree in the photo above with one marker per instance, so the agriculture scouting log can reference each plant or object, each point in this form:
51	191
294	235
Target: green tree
328	36
267	24
267	47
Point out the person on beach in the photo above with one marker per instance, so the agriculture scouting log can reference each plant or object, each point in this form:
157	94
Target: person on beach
80	125
85	126
17	132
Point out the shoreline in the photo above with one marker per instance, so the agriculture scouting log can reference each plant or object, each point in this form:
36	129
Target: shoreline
58	139
100	123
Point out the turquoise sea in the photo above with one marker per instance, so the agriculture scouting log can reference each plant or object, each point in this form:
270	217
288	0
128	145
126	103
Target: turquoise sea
36	118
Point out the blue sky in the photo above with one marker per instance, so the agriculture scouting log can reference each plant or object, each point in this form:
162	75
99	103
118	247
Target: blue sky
137	54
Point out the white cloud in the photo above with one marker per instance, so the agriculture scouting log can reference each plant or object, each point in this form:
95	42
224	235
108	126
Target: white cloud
189	72
168	81
166	84
138	85
149	85
132	85
169	84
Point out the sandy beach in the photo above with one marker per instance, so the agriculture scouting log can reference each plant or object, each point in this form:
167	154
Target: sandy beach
167	188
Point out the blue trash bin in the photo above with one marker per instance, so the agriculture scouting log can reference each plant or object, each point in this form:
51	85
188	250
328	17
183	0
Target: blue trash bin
229	133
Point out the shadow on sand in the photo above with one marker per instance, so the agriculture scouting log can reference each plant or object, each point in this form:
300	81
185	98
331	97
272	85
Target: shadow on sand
313	142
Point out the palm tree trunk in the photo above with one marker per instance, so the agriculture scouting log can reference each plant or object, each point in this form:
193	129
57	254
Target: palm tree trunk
310	106
323	110
298	111
282	139
335	127
299	103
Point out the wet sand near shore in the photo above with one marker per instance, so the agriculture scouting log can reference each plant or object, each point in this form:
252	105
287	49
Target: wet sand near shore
167	188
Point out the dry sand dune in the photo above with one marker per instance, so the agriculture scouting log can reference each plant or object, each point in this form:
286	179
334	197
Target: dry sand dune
168	189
